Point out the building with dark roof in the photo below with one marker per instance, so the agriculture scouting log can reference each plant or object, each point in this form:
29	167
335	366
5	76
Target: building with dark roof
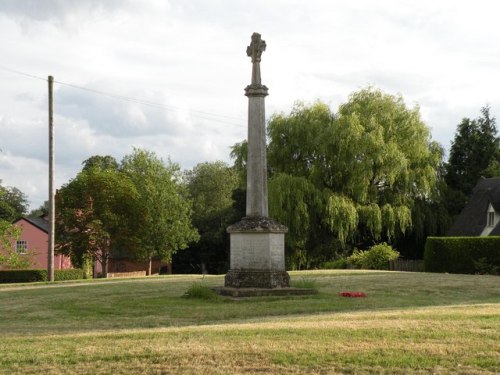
33	244
481	215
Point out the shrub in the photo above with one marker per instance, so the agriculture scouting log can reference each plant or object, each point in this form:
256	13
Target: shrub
340	263
483	267
376	257
69	274
22	276
462	254
201	291
29	276
357	258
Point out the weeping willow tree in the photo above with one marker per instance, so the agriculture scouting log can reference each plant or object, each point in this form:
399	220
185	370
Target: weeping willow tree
295	202
354	175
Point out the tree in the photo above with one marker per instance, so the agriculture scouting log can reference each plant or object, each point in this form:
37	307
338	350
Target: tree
351	177
239	154
13	203
137	209
100	162
210	187
8	257
43	210
94	216
475	151
163	216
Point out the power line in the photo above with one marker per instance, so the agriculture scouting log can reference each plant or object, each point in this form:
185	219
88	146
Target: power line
144	102
21	73
169	108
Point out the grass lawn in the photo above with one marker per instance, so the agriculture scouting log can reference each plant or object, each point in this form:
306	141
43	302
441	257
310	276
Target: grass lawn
408	323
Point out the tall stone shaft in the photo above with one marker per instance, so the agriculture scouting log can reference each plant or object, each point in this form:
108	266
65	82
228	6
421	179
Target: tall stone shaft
257	204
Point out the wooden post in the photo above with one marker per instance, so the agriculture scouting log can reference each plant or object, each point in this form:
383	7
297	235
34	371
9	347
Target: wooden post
50	256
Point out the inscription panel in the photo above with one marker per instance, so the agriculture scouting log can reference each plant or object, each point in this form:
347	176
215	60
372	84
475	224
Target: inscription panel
277	250
262	251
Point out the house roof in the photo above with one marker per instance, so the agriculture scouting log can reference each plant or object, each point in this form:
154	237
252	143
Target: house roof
38	222
496	230
472	219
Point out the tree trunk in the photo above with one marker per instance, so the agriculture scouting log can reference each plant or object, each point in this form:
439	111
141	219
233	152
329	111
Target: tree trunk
104	265
150	265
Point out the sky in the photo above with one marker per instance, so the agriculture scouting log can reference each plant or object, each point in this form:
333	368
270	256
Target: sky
169	76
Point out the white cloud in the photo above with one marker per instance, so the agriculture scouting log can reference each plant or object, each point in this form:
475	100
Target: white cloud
189	56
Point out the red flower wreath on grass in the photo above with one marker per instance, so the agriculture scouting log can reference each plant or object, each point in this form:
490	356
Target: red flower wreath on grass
352	294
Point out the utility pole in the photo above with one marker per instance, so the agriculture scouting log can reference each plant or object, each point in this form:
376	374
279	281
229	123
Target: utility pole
50	260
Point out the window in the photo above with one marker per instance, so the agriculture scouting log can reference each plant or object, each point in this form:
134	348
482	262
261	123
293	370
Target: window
491	219
22	246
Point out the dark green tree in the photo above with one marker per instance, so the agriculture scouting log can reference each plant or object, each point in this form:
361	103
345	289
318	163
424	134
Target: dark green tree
210	187
475	152
43	210
100	162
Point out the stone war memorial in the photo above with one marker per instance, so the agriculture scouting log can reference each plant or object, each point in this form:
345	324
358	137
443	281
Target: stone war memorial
257	242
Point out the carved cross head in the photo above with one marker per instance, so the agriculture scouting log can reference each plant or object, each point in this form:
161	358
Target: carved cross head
256	47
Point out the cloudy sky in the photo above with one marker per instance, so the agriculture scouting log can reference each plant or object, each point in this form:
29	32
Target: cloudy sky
169	76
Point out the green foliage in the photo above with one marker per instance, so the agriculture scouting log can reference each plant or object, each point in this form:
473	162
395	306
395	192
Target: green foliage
95	215
69	274
8	233
239	153
462	254
42	210
10	258
371	216
352	176
340	263
210	187
484	267
13	260
201	291
23	276
13	203
356	258
162	212
475	152
297	139
376	257
341	216
388	220
100	162
136	210
294	201
28	276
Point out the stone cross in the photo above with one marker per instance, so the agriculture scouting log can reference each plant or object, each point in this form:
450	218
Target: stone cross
257	241
254	50
257	204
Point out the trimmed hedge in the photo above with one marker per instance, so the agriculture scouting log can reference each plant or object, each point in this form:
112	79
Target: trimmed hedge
22	276
462	255
28	276
69	274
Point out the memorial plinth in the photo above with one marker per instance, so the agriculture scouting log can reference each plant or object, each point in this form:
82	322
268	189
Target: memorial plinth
257	242
257	254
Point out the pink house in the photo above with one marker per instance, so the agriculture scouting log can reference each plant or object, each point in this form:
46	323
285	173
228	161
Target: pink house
33	242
